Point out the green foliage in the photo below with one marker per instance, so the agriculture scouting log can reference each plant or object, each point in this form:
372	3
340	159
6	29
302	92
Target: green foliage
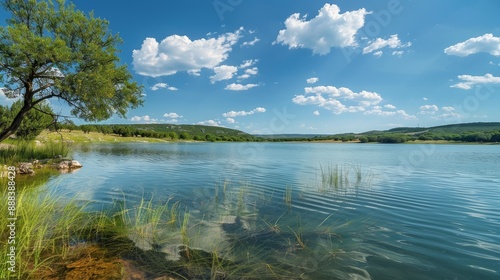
363	139
172	132
173	135
184	136
466	132
51	50
66	124
393	138
32	125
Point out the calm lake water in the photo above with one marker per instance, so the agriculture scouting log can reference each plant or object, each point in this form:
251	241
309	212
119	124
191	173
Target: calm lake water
392	212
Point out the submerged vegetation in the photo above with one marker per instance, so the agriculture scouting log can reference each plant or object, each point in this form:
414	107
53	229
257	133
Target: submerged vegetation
232	233
343	177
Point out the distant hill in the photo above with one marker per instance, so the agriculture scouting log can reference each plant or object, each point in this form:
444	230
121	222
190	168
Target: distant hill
168	131
449	128
462	132
191	129
284	136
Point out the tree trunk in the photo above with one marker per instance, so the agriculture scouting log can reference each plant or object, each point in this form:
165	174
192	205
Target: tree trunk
16	123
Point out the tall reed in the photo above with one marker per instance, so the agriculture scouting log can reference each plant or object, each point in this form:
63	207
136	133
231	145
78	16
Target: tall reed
20	151
44	230
339	177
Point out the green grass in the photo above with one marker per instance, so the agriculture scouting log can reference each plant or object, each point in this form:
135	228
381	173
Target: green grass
48	227
19	151
78	136
45	228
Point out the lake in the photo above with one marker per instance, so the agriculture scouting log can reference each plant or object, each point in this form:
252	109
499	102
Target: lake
318	210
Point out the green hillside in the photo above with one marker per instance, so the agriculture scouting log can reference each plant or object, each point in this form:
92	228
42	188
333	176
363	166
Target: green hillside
167	131
451	128
463	132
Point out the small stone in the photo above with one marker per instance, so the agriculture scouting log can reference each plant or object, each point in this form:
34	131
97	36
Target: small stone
63	165
25	168
75	164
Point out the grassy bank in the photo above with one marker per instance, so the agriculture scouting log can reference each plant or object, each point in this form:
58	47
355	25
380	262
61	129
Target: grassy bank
78	136
56	238
14	151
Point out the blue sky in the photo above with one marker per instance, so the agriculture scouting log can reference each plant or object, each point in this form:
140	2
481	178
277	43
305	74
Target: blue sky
313	67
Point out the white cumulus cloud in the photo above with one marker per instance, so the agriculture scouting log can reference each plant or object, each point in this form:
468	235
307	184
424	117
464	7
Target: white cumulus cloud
468	81
312	80
239	87
172	115
179	53
449	114
232	114
398	113
209	123
251	43
249	72
327	30
316	113
248	63
159	86
398	53
223	72
333	99
486	43
393	43
146	119
252	71
428	109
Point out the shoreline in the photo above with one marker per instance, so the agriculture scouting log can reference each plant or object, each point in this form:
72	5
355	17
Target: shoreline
78	137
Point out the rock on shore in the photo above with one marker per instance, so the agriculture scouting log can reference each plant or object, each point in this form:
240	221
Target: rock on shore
59	163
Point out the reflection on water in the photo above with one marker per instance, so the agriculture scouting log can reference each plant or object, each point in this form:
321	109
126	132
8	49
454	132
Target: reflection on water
317	211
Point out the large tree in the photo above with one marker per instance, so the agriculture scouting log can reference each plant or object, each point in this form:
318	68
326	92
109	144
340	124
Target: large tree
49	49
38	119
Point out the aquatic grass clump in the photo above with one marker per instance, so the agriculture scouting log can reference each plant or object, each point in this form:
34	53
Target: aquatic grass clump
144	223
22	150
44	231
339	177
288	196
229	241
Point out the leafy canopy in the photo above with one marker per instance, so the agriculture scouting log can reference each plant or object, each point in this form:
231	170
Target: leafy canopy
49	49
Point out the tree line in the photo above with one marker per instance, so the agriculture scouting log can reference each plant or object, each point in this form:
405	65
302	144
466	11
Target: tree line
133	131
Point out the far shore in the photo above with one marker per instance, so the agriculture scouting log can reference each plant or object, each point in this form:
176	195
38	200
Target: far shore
408	142
79	137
